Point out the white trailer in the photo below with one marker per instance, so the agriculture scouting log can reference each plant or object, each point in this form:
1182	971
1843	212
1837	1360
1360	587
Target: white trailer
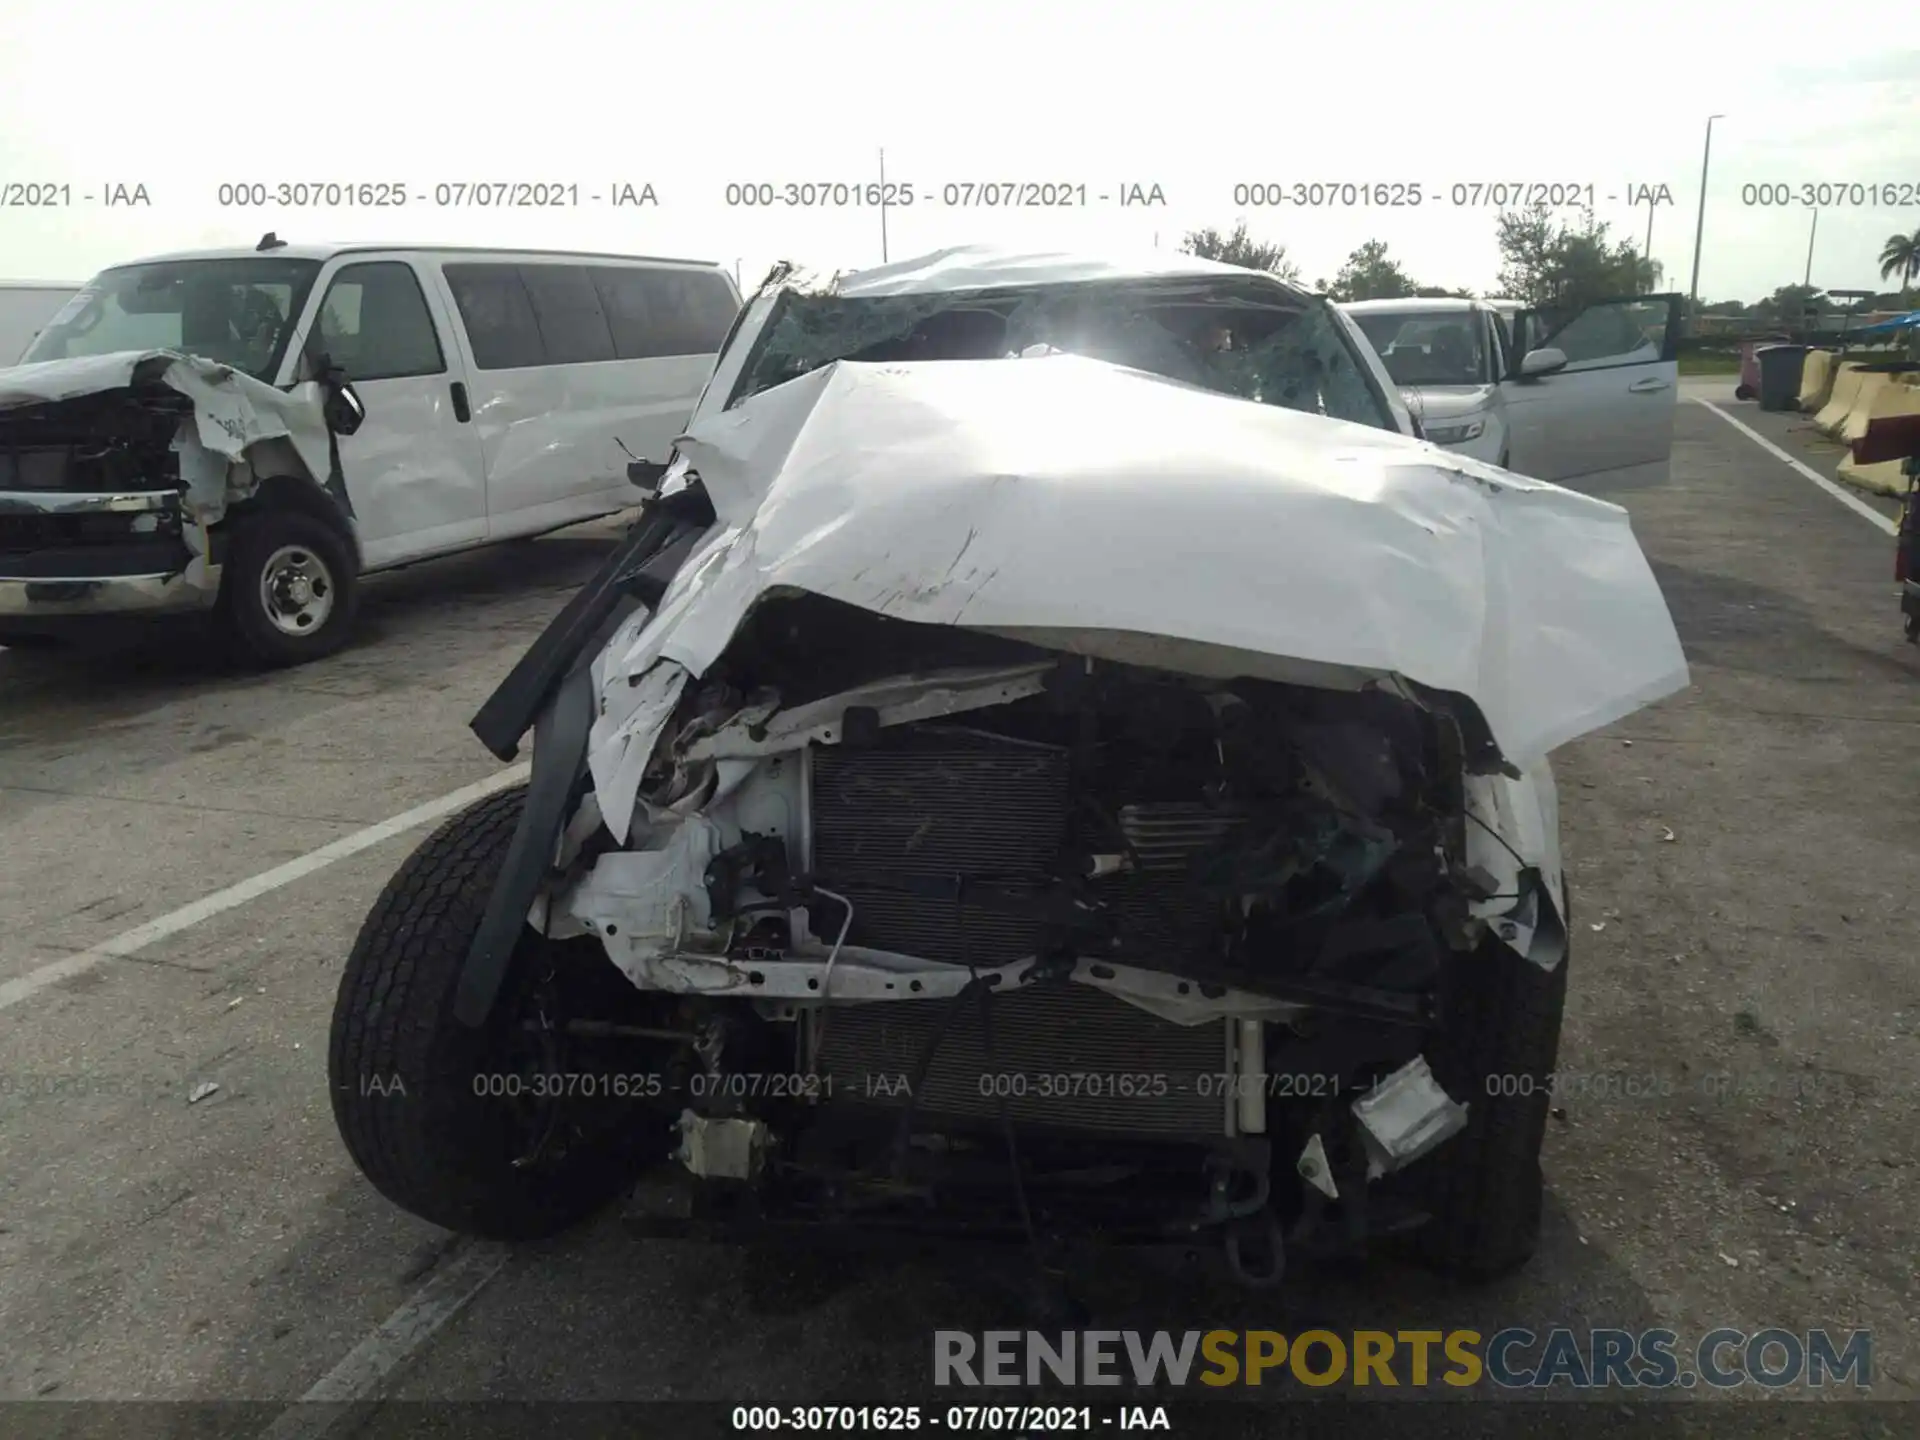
26	306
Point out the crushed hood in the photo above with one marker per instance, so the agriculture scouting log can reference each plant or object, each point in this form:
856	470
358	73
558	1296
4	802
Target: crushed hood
1101	511
232	411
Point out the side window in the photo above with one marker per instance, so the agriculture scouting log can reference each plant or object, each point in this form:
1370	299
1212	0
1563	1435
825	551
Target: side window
566	307
498	315
1617	332
375	323
625	300
688	311
1496	347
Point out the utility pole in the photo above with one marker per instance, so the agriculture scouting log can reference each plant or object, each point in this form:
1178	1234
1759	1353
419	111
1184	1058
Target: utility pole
883	205
1646	250
1812	230
1700	224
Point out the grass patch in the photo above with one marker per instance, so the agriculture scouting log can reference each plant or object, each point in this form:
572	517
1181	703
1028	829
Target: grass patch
1708	362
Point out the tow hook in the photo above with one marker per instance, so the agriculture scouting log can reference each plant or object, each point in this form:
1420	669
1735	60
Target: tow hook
1257	1250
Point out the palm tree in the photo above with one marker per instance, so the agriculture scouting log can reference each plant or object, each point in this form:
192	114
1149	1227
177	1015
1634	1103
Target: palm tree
1901	256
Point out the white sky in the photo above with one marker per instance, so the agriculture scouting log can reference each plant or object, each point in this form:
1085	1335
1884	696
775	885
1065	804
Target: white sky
1194	96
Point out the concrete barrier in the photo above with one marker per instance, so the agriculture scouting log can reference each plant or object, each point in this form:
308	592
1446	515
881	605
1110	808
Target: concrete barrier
1846	384
1872	387
1886	477
1816	380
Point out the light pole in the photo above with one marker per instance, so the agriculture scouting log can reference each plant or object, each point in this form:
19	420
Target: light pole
883	205
1700	224
1812	230
1646	250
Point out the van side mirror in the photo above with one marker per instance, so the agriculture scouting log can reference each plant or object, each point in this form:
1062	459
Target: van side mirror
1543	362
343	408
646	474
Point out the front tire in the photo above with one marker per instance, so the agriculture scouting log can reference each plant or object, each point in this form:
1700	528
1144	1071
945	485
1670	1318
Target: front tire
1483	1189
290	588
431	1110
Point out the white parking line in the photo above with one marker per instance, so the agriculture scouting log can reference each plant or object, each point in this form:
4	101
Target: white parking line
357	1378
130	942
1852	502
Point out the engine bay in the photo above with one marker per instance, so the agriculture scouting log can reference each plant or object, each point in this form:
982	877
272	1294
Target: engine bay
888	880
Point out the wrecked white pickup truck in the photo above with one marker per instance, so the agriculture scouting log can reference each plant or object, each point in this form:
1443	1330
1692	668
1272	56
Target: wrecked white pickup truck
1022	793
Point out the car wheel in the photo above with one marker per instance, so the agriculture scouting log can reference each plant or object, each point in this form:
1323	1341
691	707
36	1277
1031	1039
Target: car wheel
1483	1188
289	589
1743	392
464	1127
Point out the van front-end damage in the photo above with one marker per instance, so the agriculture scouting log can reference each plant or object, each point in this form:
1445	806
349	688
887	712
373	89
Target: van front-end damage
116	472
1005	819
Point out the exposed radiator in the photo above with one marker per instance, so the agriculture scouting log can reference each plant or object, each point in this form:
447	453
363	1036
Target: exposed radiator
1065	1055
930	805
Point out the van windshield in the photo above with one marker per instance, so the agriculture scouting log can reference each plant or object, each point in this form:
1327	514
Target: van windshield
1428	347
237	312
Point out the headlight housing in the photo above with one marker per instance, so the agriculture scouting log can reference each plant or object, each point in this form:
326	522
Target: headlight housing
1454	432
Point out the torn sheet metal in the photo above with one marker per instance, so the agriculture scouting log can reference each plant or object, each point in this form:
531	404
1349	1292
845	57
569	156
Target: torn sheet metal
1249	539
623	737
237	420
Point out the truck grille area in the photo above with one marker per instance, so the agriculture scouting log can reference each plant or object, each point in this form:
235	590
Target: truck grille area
923	808
1062	1055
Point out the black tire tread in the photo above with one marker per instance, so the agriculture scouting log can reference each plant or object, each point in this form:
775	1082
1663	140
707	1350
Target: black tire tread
1483	1188
394	1016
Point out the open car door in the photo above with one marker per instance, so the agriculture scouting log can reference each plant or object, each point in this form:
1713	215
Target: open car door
1593	397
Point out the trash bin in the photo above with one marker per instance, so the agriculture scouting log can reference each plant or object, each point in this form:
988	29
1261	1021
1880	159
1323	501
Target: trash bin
1780	367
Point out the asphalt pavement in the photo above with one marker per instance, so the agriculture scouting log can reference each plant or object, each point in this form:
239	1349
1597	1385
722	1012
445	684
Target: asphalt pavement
1743	859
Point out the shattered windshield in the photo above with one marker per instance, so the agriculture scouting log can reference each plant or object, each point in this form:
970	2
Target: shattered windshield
1224	338
235	312
1431	347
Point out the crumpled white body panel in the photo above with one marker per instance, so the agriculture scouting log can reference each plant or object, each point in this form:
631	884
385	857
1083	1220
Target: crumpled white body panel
232	413
1041	499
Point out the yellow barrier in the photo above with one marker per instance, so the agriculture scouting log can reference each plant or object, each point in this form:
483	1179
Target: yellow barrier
1816	380
1846	384
1872	387
1887	477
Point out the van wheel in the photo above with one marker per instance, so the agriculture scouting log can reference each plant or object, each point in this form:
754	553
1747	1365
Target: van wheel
466	1128
289	589
1483	1188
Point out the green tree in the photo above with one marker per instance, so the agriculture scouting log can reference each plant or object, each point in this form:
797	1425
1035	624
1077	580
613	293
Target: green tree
1555	265
1369	274
1791	304
1240	248
1900	259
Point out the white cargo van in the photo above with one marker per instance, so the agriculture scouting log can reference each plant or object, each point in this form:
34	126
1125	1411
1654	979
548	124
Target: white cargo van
250	431
25	306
